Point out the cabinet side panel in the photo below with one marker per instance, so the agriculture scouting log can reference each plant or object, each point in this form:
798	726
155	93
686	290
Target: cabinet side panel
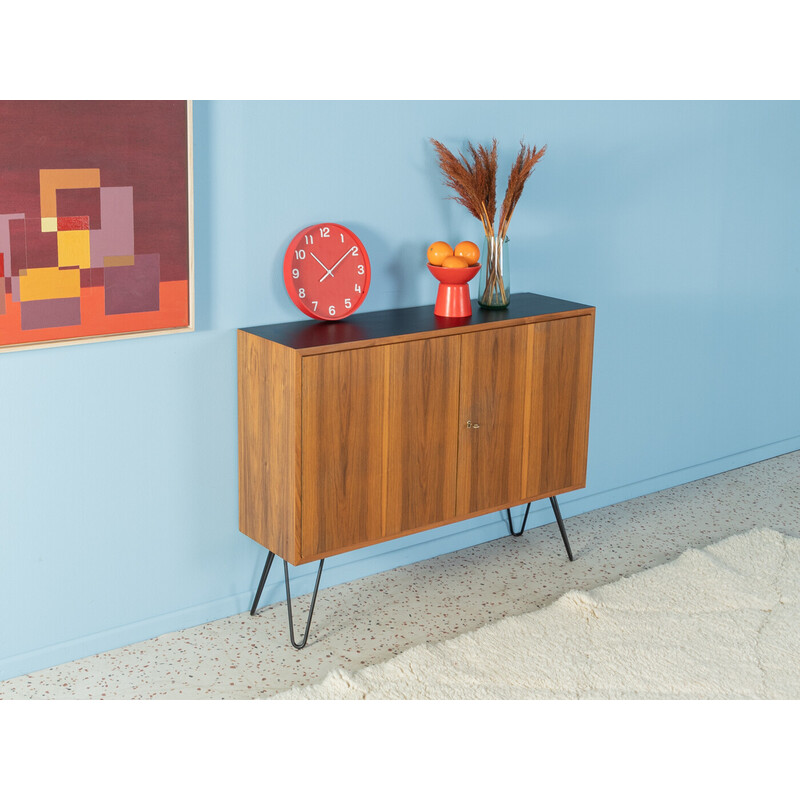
422	422
342	449
267	443
561	392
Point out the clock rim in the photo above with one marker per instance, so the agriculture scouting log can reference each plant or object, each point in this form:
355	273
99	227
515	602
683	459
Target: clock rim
288	280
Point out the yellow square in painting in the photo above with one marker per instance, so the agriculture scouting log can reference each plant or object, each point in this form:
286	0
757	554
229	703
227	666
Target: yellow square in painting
48	283
73	249
49	224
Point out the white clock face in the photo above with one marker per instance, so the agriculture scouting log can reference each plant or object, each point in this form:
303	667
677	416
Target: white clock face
326	271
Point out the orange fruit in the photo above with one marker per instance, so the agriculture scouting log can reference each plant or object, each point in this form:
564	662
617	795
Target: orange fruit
468	251
455	262
438	252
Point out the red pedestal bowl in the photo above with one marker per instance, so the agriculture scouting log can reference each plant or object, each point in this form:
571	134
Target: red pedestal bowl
452	299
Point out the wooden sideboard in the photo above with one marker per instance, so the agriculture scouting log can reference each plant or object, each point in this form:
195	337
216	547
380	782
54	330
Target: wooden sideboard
391	422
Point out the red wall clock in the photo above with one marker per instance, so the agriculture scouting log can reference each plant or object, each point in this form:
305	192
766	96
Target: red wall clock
326	271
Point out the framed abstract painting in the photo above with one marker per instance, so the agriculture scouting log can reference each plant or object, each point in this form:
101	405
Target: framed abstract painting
96	238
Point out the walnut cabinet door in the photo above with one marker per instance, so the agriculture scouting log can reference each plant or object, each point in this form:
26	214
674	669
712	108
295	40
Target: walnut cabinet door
491	418
422	433
524	412
379	442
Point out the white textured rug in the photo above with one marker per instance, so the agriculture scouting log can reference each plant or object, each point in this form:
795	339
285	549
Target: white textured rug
718	623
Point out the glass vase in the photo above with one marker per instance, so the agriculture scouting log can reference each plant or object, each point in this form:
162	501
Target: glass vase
494	286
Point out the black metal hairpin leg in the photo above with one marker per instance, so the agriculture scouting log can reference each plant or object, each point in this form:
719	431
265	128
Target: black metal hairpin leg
289	605
261	583
270	558
524	520
556	511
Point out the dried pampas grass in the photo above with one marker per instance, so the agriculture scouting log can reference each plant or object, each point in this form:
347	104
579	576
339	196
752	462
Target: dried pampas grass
521	170
474	180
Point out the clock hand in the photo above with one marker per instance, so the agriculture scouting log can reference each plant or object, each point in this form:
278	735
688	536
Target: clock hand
330	271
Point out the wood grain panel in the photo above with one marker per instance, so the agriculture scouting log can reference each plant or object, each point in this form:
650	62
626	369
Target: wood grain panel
493	374
342	449
560	399
422	427
268	442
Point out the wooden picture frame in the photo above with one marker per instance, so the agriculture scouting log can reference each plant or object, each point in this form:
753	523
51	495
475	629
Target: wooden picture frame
96	221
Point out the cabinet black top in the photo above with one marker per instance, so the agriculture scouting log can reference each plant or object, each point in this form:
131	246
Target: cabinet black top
306	334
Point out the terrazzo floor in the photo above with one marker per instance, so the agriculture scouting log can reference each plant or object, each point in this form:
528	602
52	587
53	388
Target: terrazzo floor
371	619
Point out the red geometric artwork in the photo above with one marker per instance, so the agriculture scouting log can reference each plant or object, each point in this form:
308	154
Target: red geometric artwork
95	220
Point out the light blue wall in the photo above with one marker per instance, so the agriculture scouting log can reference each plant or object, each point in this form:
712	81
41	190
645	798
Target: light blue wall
118	485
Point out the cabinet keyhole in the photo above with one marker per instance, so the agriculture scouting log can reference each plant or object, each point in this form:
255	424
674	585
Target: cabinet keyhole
471	424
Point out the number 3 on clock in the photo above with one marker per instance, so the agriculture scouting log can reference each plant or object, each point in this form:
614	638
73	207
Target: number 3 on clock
321	263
